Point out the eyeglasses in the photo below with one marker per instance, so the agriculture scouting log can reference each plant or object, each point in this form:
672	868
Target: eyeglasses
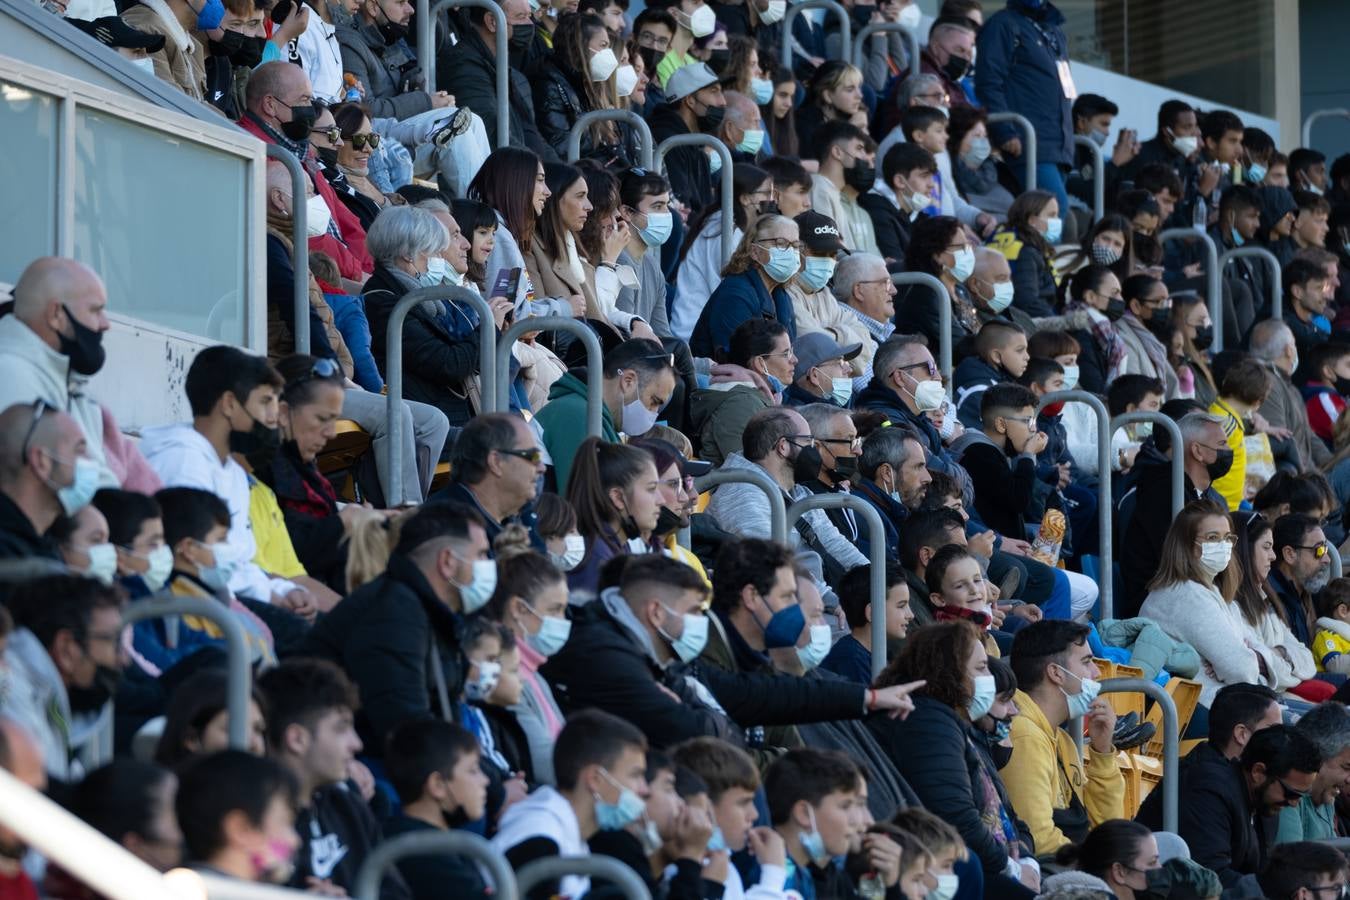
533	455
1338	888
323	367
874	281
1214	537
936	99
930	367
1291	795
781	354
39	410
806	439
362	141
333	134
1029	421
1319	550
854	444
782	244
672	484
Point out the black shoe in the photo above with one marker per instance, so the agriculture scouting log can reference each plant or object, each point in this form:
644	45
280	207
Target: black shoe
1135	737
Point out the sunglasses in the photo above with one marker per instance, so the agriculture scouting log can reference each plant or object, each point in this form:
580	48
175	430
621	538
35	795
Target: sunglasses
40	408
532	456
333	134
362	141
323	368
1318	550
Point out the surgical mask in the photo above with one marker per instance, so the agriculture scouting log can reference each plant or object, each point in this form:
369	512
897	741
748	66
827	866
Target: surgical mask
692	640
1088	690
160	562
983	700
703	22
618	816
659	226
1070	377
636	419
603	64
102	562
145	64
1104	256
911	16
1003	296
814	653
625	79
475	595
217	577
841	390
1187	145
574	551
946	887
76	495
753	140
480	688
1314	189
929	395
718	841
714	159
1214	556
1238	239
784	627
948	425
963	264
1256	173
437	271
775	386
317	216
552	634
783	264
761	89
1099	137
1054	228
978	153
813	843
816	272
777	9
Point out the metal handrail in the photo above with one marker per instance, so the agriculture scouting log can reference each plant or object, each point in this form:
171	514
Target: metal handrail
1029	148
1178	459
1213	276
595	367
1320	114
1276	273
606	867
830	6
911	43
1098	175
393	369
944	319
1171	738
299	244
237	685
1336	570
876	538
1103	484
434	843
611	115
427	14
728	186
771	489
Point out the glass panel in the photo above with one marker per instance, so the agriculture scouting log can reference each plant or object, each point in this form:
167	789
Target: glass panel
29	121
162	219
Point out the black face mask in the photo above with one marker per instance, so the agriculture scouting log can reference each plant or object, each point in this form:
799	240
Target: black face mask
327	156
392	32
241	49
1342	386
521	37
84	348
845	468
711	119
301	123
1204	336
806	465
1115	309
768	207
91	699
667	522
718	59
955	68
258	441
1158	322
860	176
651	58
1000	754
1222	463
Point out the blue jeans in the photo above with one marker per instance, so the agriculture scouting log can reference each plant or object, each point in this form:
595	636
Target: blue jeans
349	315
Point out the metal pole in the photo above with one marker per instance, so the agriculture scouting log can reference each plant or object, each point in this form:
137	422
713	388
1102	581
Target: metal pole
1212	275
771	489
393	369
1098	175
911	42
1171	739
1336	570
611	115
728	187
1178	459
426	54
595	371
876	540
1103	484
944	319
1029	150
434	843
1276	273
1320	114
299	244
606	867
830	6
237	656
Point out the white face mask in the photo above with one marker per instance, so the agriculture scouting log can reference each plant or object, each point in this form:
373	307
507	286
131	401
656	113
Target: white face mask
574	551
145	64
1070	377
777	9
1003	296
929	395
603	65
160	562
703	22
317	216
963	263
814	653
1214	556
1187	145
911	15
102	562
625	80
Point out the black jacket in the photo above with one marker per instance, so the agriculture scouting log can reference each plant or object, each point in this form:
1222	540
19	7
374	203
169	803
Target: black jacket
383	635
889	223
469	72
433	876
18	538
1001	495
337	832
604	665
557	106
1215	816
624	846
917	312
1093	363
691	180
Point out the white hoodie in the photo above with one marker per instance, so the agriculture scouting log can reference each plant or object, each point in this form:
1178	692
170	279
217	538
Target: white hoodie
183	457
546	814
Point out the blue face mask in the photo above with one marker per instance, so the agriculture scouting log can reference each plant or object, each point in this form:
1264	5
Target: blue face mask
1238	239
816	272
1256	173
784	627
753	140
813	842
717	841
783	264
658	229
1002	728
761	89
1054	228
618	816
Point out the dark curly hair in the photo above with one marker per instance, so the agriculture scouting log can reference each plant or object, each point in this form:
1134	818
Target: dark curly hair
937	653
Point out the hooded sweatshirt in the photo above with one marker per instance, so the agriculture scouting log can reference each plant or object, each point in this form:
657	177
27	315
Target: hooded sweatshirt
337	832
545	814
563	420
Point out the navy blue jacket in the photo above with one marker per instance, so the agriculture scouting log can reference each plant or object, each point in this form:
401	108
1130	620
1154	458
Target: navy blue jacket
738	299
974	376
879	398
892	515
1019	51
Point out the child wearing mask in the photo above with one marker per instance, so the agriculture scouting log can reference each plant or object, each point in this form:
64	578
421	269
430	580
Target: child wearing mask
1000	356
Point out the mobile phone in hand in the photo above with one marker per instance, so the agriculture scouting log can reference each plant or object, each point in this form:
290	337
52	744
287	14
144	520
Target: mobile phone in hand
506	284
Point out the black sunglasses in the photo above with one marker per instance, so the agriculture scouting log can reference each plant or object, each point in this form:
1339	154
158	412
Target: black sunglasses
533	455
323	368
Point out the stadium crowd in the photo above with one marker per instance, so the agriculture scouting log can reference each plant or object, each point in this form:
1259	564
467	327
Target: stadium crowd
551	638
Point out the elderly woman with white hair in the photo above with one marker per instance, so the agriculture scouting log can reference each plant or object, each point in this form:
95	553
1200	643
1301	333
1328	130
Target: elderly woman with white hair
407	244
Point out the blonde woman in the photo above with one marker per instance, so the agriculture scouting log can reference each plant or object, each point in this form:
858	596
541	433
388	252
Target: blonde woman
834	93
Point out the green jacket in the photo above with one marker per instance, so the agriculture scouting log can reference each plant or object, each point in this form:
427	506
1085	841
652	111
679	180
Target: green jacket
563	419
719	415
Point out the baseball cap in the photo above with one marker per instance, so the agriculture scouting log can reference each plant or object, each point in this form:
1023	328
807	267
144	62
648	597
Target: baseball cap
687	79
820	233
815	348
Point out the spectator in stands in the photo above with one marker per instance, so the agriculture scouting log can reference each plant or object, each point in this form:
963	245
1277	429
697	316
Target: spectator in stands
359	143
1305	305
1302	569
1191	333
926	532
838	442
131	803
938	247
694	105
381	633
197	719
718	414
742	129
237	814
1049	658
894	479
1122	853
181	61
1327	726
38	445
822	373
83	541
866	297
1308	170
1147	309
753	287
851	655
905	385
67	637
991	290
646	203
780	114
1302	869
494	469
616	493
833	95
1244	388
791	185
1273	343
375	51
638	382
433	767
1000	357
949	55
469	74
907	172
1028	240
846	156
973	170
1326	371
1007	438
1310	223
1292	660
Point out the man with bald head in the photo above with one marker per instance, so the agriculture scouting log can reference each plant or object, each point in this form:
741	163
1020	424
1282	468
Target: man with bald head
280	110
991	288
45	470
21	757
742	127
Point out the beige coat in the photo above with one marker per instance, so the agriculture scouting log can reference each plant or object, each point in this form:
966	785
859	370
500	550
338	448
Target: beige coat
182	61
553	278
821	312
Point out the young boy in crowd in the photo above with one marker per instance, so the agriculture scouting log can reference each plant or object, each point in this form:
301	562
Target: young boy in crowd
1000	456
136	529
812	795
1242	391
941	840
957	590
481	641
851	655
1127	394
434	769
1055	465
926	127
1000	356
1328	368
1331	645
311	731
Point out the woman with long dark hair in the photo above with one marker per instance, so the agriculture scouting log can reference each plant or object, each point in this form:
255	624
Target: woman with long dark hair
1293	663
937	246
359	142
1190	318
578	78
1119	852
1094	289
1028	240
1109	243
616	493
478	223
780	116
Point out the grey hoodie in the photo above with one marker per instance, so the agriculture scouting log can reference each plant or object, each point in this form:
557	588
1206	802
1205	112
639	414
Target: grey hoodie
35	696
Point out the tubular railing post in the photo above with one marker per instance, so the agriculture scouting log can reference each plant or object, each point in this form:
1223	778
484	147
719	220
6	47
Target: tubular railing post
1171	739
393	369
1336	569
606	867
611	115
236	650
728	188
1178	460
876	540
595	372
944	319
1103	485
911	42
835	9
1098	175
433	843
1213	276
777	509
299	244
1029	148
1272	263
1320	114
427	12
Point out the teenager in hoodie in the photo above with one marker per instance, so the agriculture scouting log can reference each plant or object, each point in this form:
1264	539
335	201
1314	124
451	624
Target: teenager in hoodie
1000	356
